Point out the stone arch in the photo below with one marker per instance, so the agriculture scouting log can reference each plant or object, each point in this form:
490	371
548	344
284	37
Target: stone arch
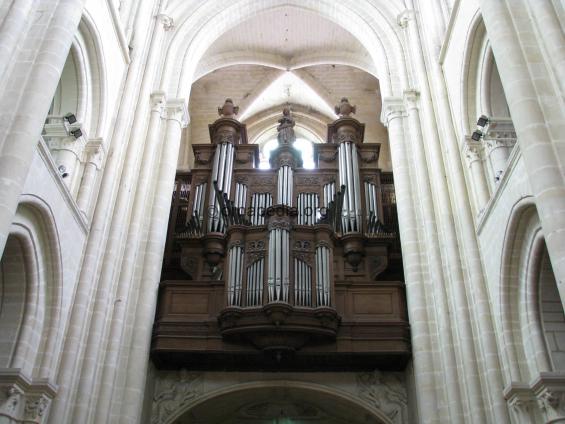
216	62
34	246
358	403
81	89
524	345
374	26
481	87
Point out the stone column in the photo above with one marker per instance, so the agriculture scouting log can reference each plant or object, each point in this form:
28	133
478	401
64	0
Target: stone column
177	118
551	32
134	239
95	153
424	369
423	190
468	285
103	316
21	123
534	131
15	20
117	181
473	154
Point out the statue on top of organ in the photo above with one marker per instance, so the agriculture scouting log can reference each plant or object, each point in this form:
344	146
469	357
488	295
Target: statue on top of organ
287	253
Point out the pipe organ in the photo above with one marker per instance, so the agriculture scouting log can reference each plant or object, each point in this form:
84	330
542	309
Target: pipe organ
295	268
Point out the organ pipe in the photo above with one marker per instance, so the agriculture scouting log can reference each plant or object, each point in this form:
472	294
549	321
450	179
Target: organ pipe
285	182
349	177
222	173
302	283
323	277
235	277
278	281
255	283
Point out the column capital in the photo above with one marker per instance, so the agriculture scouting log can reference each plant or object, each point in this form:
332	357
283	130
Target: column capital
472	150
95	152
167	22
411	98
158	99
393	107
177	110
405	17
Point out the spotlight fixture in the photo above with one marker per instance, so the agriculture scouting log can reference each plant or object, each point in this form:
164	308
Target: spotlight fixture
70	118
482	121
477	135
63	171
77	133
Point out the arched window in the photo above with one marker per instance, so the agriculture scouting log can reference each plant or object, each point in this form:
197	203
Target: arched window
305	147
551	311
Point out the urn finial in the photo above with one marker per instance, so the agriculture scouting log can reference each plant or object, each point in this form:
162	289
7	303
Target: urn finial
228	110
344	108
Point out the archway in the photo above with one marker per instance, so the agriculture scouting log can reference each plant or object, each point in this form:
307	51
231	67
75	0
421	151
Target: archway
281	402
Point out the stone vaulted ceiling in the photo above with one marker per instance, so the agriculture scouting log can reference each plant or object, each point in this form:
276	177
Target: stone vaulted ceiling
285	56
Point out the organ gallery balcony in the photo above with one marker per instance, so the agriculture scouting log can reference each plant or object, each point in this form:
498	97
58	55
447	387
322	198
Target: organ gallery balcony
283	268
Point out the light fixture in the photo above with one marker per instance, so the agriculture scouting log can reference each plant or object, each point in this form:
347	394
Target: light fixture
70	118
77	133
63	171
482	121
477	135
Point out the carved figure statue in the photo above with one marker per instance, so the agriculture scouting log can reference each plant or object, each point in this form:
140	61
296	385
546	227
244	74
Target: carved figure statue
286	127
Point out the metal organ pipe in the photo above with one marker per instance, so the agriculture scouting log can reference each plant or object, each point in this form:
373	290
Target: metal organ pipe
323	275
356	185
255	283
285	185
222	173
235	275
349	176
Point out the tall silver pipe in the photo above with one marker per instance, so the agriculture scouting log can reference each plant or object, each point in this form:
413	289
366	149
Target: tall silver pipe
278	281
254	199
318	277
343	182
229	163
349	179
260	282
221	166
280	186
271	269
300	212
357	188
231	278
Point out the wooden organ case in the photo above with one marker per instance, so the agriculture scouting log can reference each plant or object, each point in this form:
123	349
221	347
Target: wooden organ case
283	268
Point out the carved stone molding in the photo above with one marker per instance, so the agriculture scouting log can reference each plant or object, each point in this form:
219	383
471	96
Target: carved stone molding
473	150
386	392
176	110
95	152
495	143
35	407
282	224
393	108
411	98
24	400
167	22
404	18
172	392
158	101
